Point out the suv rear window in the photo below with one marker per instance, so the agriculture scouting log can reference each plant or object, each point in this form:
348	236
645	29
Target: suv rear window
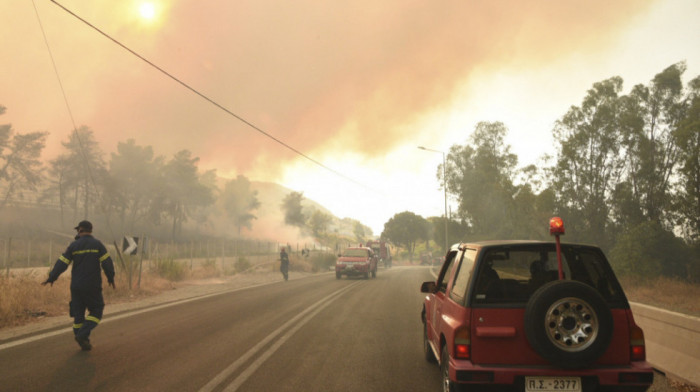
511	274
355	253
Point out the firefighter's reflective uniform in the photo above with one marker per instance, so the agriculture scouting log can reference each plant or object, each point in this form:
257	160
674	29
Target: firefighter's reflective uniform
88	255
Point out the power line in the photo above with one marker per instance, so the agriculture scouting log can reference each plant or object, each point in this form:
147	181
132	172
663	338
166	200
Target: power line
206	98
65	99
81	145
53	63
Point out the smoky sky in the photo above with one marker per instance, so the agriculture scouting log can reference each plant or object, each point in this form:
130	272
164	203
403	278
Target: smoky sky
320	76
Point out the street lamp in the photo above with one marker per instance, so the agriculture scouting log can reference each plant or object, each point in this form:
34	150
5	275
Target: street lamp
444	186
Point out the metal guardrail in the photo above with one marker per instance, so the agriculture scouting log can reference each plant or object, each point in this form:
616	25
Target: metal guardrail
672	341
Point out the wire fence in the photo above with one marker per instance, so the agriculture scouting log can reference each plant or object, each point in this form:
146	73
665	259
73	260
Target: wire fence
31	253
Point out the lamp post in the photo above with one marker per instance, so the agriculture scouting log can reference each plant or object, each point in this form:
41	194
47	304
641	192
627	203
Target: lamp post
444	186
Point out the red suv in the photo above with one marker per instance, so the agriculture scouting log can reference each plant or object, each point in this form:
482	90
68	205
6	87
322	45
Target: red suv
532	316
356	261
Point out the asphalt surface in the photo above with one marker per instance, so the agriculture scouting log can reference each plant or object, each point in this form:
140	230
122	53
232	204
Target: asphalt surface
312	334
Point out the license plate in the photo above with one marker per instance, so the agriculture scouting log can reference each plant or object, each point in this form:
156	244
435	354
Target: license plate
552	384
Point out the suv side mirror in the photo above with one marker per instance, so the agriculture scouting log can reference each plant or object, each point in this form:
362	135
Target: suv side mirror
427	287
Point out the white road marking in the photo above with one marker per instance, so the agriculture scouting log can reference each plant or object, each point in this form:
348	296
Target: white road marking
124	315
298	319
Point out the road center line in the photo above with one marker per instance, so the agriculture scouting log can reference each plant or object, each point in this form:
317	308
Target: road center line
311	310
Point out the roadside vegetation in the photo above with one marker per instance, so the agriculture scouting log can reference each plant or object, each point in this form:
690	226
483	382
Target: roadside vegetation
675	295
623	174
25	300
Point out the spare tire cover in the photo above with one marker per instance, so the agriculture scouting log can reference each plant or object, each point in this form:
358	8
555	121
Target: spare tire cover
568	323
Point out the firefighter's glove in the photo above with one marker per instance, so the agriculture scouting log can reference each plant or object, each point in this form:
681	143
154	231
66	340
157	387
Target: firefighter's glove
47	281
112	284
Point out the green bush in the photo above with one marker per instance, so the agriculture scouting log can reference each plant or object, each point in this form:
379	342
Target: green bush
170	269
648	251
209	264
322	261
406	255
694	265
241	264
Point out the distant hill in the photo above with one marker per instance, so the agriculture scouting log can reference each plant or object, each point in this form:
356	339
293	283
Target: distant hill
270	213
271	196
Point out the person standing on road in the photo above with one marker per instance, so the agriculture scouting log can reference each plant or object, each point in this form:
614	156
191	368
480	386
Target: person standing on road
88	255
284	263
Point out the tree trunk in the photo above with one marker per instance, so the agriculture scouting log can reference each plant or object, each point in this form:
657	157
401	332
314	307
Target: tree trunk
87	199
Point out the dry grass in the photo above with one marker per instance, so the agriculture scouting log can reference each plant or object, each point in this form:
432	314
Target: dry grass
24	300
671	294
297	263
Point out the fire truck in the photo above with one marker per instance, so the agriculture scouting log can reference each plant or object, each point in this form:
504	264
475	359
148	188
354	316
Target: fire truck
382	249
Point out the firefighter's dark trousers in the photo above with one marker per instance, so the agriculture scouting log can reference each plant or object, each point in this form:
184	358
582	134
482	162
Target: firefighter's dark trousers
284	269
82	299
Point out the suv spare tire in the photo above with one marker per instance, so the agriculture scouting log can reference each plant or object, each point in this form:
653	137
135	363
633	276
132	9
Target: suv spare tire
568	323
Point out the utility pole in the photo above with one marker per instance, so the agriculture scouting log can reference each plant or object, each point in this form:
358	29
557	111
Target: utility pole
444	187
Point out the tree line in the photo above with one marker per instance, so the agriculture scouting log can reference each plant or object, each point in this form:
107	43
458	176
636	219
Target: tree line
625	175
134	190
137	191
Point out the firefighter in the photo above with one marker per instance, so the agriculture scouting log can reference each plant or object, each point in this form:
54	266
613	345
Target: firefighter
88	255
284	264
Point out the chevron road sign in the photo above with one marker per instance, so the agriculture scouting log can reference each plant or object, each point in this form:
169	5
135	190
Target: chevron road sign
130	245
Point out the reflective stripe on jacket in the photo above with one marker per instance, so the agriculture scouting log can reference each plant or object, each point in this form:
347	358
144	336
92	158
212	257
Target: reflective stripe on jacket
88	256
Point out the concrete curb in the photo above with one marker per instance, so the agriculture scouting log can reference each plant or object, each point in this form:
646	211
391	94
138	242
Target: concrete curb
672	341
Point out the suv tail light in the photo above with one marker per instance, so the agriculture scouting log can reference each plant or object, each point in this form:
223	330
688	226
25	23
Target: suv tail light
637	349
462	343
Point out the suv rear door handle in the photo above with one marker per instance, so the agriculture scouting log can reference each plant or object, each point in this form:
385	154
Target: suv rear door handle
495	332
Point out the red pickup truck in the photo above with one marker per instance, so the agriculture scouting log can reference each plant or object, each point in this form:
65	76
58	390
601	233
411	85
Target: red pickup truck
356	261
532	316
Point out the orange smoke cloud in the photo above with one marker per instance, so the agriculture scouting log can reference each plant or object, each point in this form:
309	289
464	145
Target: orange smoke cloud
313	75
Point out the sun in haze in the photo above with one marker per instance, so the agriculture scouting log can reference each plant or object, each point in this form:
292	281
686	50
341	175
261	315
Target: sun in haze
147	11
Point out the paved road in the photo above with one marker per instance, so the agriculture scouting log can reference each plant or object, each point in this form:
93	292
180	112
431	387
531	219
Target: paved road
313	334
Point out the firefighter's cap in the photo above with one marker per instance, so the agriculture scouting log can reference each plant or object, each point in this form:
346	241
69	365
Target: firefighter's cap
85	225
